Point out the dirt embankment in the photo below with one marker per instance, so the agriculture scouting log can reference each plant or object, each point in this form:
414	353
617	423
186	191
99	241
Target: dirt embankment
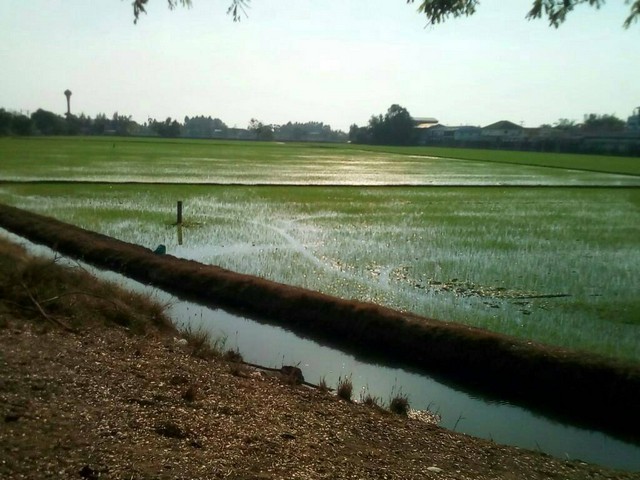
584	388
94	385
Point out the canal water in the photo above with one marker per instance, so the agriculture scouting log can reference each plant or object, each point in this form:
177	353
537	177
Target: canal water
459	410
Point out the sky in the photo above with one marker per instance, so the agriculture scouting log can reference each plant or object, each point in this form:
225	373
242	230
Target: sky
332	61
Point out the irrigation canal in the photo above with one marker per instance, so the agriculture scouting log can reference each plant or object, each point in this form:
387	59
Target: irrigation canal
460	410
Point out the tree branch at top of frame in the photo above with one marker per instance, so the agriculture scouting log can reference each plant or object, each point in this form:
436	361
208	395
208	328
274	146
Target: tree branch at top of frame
438	11
237	9
556	11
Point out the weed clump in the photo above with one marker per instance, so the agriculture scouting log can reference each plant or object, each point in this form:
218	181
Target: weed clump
399	404
322	384
345	388
202	344
233	356
368	399
239	369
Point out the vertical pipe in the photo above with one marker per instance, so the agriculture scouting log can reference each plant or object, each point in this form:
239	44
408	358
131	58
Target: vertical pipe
179	221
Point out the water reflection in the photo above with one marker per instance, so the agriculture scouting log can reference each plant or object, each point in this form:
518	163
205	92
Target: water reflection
179	229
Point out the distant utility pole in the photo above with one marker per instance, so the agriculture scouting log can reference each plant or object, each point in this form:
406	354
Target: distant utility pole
67	93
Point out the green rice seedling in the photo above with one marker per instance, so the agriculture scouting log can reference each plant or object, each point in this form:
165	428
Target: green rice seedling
464	255
598	163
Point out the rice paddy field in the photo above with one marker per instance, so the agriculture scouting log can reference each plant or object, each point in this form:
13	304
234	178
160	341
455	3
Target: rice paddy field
545	248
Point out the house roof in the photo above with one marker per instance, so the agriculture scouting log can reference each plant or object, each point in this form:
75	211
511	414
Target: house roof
503	125
424	122
457	128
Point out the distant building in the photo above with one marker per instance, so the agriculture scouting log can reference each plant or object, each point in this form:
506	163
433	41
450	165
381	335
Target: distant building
239	134
421	128
504	131
444	135
511	136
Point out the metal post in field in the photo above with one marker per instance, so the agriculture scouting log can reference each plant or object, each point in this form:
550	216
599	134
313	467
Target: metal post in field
179	221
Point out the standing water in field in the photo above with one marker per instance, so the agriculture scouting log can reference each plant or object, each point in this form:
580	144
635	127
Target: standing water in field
556	266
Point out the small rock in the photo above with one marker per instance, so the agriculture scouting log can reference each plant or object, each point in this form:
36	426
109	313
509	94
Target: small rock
435	469
88	472
293	374
190	394
12	417
170	430
179	380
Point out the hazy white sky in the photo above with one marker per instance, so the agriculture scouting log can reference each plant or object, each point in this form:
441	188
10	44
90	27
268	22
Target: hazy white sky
335	61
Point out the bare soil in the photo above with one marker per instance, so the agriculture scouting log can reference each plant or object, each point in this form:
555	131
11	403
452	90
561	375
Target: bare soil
99	394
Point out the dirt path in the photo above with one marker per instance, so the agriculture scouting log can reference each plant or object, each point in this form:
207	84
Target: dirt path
106	404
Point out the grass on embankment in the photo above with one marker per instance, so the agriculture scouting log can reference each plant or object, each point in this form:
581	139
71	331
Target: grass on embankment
57	296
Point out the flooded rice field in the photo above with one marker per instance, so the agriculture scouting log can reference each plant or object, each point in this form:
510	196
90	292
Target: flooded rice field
472	242
253	163
555	265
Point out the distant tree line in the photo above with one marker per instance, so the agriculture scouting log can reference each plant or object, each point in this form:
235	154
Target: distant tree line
396	127
43	122
296	132
606	134
592	123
